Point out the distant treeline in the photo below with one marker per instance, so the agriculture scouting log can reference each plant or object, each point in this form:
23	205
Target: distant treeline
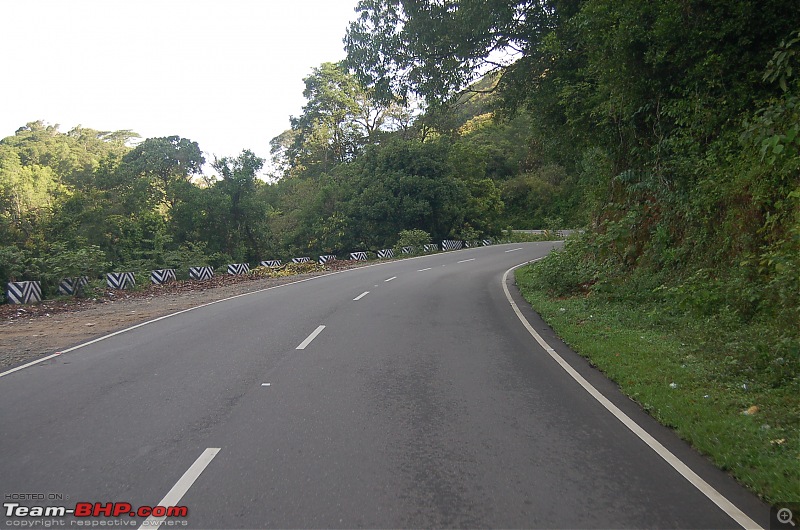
350	174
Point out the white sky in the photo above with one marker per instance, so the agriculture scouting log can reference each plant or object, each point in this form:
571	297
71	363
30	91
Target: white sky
224	73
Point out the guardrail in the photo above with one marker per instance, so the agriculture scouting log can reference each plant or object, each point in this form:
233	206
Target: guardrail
26	292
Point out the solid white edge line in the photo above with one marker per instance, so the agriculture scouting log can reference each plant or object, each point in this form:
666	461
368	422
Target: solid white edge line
359	297
30	363
311	337
182	486
169	315
390	279
466	260
704	487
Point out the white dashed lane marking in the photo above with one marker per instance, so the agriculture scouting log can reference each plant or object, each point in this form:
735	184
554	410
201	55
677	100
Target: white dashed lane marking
182	486
311	337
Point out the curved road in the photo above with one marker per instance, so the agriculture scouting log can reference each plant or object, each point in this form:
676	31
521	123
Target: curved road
423	403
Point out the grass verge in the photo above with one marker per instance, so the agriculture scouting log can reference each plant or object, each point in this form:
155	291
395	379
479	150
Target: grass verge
679	371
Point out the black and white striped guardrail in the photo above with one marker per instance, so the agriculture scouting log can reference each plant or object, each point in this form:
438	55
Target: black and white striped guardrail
71	286
23	292
120	280
201	273
162	276
449	244
238	268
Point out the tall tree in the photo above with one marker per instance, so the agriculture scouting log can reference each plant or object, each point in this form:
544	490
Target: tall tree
238	213
164	164
436	47
339	118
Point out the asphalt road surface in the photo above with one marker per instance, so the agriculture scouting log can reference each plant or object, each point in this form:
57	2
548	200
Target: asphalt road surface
423	402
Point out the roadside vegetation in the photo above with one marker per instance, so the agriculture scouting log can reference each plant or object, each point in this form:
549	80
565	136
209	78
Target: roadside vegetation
726	383
676	126
667	131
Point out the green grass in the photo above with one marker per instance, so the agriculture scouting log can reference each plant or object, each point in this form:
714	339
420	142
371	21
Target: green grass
692	377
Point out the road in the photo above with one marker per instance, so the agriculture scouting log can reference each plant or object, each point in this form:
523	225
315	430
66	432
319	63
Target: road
422	402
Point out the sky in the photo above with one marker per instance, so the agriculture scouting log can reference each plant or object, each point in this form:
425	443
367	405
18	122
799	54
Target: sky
224	73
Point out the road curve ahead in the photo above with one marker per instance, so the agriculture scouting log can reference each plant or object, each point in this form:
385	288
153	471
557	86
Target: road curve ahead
406	394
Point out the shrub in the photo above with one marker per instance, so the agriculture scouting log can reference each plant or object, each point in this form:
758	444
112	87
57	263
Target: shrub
567	271
411	238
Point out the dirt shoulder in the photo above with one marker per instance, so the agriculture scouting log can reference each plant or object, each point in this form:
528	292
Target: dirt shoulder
28	332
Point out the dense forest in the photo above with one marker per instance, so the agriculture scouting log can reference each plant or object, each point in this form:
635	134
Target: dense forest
675	126
349	175
668	129
673	123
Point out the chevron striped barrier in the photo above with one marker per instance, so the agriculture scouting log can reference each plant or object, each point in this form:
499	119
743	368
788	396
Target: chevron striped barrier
201	273
271	263
433	247
238	268
358	256
327	258
161	276
304	259
70	286
486	242
120	280
23	292
385	254
449	244
407	250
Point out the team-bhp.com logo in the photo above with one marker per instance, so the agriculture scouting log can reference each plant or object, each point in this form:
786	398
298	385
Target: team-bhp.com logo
94	509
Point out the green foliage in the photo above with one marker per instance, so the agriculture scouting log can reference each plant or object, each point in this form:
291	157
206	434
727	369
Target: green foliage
17	265
414	238
338	120
189	254
718	371
62	262
162	165
670	129
568	271
433	48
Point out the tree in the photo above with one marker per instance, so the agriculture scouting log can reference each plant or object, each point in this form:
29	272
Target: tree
339	118
27	195
163	164
434	48
231	216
